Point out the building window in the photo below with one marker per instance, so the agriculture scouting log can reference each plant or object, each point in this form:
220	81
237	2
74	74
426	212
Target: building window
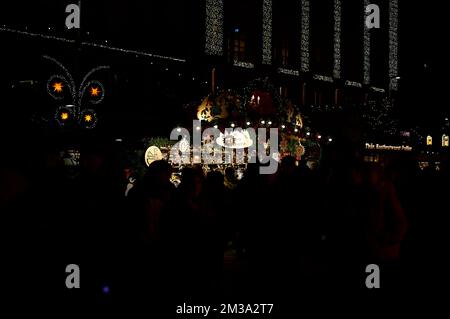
445	140
239	47
285	54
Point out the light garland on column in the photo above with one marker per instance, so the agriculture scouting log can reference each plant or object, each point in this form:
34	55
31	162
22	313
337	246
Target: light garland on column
353	83
304	43
214	27
267	32
337	39
393	44
366	47
323	78
245	65
288	71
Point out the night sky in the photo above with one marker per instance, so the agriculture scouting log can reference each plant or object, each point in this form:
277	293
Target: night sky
171	28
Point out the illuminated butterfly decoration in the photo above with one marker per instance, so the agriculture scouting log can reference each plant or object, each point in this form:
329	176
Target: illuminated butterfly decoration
77	102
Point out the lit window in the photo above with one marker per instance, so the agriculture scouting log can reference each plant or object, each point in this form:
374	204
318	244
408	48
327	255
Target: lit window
239	47
444	140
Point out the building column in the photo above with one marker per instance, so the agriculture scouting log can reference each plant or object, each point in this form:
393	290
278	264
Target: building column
214	26
304	41
366	48
393	44
267	32
337	39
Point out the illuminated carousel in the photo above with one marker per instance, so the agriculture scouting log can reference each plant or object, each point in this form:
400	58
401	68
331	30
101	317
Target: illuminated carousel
228	120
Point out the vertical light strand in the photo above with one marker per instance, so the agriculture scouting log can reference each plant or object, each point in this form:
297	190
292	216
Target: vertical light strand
366	47
304	43
214	27
267	32
337	39
393	44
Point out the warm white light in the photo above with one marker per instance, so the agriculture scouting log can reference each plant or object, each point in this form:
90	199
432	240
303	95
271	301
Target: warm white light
215	126
263	122
270	122
330	140
393	43
267	32
214	27
283	126
248	123
319	136
366	49
232	125
178	130
304	44
337	39
308	133
296	130
198	128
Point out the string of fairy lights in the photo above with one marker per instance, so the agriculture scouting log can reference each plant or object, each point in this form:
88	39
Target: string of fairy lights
366	49
214	27
91	44
393	44
267	32
304	41
75	109
337	39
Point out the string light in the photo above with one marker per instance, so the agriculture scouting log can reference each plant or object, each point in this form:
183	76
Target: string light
323	78
263	122
245	65
353	83
92	44
267	32
304	43
36	35
288	72
393	44
214	27
366	48
337	39
248	123
283	126
270	122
